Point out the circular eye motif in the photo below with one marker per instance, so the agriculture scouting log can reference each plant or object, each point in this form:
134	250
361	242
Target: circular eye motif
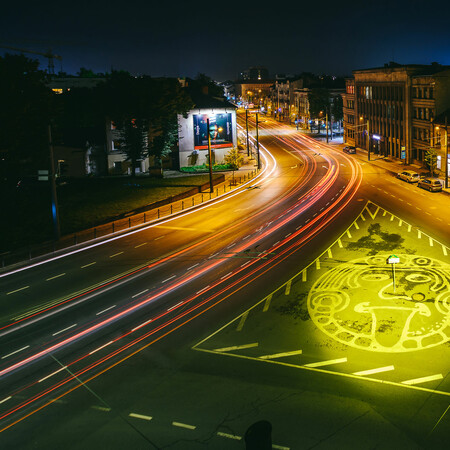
418	278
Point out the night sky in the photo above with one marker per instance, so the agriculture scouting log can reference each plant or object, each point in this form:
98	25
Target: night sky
220	39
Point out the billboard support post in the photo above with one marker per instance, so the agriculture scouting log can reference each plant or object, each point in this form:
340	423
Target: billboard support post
211	188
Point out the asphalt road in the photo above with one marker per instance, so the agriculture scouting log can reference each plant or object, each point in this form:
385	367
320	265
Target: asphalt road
126	317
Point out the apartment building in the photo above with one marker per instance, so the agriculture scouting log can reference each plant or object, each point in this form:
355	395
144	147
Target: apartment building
393	109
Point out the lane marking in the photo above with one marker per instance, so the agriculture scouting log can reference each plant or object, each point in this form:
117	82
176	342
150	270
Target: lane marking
139	293
304	273
182	228
141	325
288	288
159	237
431	242
281	355
230	436
444	250
174	306
204	289
227	275
423	379
17	290
140	245
372	371
5	399
195	265
103	346
54	373
56	276
116	254
140	416
168	279
326	363
236	347
184	425
87	265
101	408
65	329
242	321
280	447
16	351
107	309
267	303
317	264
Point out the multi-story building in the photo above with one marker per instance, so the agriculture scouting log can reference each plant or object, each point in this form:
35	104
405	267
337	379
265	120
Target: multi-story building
394	107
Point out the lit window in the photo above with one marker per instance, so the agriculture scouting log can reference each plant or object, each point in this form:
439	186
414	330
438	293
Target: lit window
57	91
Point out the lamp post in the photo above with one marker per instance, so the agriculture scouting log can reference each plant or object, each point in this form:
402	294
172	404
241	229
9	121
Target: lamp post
246	126
257	142
211	187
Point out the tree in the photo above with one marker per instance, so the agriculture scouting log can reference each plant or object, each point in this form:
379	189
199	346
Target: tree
431	160
134	141
25	113
319	101
234	158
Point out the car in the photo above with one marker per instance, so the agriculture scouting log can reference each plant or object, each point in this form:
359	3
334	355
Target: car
349	149
409	175
431	184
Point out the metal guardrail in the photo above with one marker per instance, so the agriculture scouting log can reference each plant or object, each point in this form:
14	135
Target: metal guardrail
150	213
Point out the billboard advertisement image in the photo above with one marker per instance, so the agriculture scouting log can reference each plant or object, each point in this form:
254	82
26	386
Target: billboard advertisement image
220	131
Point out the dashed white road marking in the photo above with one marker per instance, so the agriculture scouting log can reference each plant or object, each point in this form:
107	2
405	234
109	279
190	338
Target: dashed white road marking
226	276
184	425
56	276
16	351
87	265
242	322
267	303
139	293
101	408
54	373
99	348
140	245
326	363
195	265
174	306
17	290
159	237
107	309
423	379
168	279
141	325
229	436
281	355
288	288
140	416
116	254
65	329
204	289
372	371
236	347
5	399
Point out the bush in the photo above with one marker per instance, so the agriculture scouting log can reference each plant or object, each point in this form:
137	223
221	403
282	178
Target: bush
205	168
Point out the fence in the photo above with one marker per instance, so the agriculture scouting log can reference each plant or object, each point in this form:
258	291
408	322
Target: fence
149	213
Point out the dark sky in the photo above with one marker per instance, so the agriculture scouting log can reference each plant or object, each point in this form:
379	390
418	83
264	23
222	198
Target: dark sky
221	38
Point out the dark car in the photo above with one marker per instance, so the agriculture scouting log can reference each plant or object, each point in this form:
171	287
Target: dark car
350	149
431	184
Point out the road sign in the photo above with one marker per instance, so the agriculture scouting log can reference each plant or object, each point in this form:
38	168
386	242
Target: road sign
393	259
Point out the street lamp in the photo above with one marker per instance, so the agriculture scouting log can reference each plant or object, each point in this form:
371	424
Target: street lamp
211	187
446	153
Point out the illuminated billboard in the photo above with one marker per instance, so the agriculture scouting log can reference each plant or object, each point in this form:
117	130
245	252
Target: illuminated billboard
220	131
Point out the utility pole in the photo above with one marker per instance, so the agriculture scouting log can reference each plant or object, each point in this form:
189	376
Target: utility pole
368	141
326	122
55	212
257	142
246	126
446	153
211	187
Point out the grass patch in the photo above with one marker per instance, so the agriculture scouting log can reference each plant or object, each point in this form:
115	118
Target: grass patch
83	203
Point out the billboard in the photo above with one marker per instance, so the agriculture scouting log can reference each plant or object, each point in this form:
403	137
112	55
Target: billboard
220	130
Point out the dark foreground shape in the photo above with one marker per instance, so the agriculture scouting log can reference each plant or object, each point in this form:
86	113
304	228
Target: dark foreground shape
259	436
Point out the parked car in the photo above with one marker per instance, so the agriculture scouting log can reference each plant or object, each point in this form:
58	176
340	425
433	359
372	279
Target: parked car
350	149
431	184
409	175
